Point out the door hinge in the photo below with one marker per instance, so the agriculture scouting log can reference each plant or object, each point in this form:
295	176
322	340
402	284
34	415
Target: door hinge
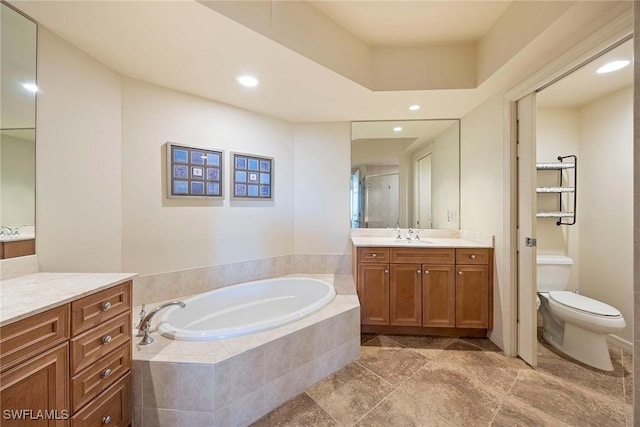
530	242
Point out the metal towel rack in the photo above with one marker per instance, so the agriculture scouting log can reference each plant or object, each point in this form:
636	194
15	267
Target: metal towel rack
564	216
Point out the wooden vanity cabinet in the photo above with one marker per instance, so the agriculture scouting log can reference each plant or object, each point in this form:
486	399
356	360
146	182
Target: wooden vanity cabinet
425	290
71	364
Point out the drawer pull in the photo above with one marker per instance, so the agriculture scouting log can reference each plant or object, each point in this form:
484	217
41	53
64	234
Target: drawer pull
106	420
426	272
386	271
460	273
105	306
107	338
374	255
105	373
418	271
473	256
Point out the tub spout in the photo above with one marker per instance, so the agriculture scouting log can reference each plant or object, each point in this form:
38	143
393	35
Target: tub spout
145	324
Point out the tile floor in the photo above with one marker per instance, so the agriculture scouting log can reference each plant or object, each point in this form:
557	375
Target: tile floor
435	381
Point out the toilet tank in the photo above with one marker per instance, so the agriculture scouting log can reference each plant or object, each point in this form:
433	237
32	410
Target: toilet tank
553	272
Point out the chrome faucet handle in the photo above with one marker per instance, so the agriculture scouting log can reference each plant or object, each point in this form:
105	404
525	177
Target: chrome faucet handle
146	339
409	233
417	234
139	325
398	237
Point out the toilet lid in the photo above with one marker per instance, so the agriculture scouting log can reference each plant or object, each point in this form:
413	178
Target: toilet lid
580	302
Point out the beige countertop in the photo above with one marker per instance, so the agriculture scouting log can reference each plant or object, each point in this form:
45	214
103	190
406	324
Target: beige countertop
25	296
424	242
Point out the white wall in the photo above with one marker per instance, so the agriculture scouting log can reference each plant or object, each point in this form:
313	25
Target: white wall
605	202
482	195
17	179
162	234
557	134
323	165
78	160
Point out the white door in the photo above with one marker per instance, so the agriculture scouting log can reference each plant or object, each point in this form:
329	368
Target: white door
424	192
526	164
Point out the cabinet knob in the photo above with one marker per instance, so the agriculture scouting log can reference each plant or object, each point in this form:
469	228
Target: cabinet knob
386	271
426	272
106	339
374	255
473	256
105	306
106	420
460	273
105	373
418	271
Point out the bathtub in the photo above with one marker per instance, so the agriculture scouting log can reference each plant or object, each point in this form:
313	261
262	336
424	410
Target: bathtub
245	308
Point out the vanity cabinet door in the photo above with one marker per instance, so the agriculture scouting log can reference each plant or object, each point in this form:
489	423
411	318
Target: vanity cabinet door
35	392
472	296
373	292
405	295
438	296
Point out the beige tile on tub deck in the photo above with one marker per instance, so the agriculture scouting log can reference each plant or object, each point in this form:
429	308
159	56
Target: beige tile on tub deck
194	280
238	376
196	419
159	385
196	387
153	417
243	410
217	277
285	265
277	358
269	268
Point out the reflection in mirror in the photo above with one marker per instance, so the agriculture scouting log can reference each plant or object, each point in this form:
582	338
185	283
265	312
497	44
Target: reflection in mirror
17	124
406	174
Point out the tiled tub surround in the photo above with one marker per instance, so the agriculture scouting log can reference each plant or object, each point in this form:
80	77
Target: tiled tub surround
153	288
235	381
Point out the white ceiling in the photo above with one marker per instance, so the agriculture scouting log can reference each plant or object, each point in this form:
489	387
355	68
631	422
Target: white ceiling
585	85
187	46
411	23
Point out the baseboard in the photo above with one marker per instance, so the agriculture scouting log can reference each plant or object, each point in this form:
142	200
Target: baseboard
620	343
497	340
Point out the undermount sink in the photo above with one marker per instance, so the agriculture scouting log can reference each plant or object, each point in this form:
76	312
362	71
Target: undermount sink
413	242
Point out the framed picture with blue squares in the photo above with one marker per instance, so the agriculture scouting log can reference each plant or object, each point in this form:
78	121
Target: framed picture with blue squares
194	172
252	177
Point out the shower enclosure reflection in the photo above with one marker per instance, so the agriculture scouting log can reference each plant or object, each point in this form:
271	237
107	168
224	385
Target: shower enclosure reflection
405	173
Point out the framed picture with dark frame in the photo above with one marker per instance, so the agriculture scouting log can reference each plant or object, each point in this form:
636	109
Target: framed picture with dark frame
194	172
252	177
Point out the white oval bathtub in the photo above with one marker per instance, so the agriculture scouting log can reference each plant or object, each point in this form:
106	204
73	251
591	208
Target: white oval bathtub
245	308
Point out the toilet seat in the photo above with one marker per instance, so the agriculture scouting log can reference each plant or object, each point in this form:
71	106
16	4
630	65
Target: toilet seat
584	304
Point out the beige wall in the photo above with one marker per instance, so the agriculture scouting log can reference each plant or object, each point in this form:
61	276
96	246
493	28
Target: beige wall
78	160
482	195
445	186
557	134
162	234
17	179
322	173
605	202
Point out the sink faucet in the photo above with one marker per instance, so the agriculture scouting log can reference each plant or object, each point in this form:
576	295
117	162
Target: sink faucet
145	324
409	233
6	231
398	237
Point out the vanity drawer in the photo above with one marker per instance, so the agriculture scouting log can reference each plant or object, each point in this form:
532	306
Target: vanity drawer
100	375
377	255
112	407
92	345
94	309
21	340
472	256
436	256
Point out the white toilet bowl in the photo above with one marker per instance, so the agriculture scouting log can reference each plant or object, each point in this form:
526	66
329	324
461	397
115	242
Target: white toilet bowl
578	325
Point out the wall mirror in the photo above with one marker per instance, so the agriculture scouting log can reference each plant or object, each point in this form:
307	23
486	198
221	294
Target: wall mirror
405	173
17	124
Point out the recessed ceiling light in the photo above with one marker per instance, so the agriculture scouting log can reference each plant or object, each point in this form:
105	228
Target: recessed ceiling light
613	66
414	107
397	129
31	87
247	80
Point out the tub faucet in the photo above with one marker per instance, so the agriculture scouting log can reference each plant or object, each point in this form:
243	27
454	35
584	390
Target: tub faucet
145	324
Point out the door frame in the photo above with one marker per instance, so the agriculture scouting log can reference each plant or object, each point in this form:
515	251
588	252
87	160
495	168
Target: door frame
611	35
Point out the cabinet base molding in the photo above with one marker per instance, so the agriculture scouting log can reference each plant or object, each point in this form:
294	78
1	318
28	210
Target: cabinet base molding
418	330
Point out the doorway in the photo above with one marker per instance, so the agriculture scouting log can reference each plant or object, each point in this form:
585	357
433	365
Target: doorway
584	214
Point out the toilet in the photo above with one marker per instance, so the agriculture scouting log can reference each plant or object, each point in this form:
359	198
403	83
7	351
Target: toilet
574	324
